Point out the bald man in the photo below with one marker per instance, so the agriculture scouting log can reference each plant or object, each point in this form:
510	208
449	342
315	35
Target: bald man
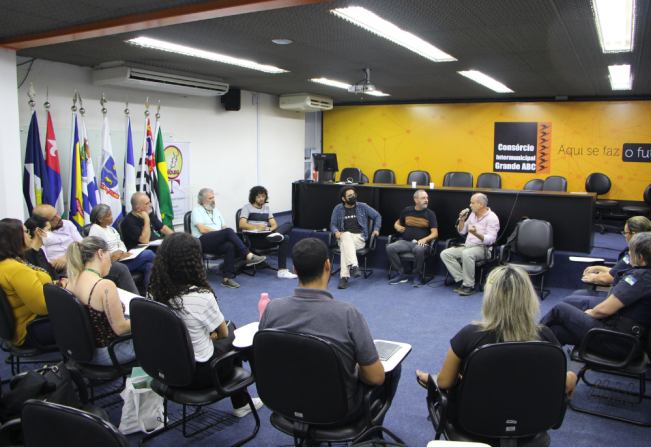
65	233
141	226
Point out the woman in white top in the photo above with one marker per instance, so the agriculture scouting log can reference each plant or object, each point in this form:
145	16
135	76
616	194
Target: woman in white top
102	218
179	281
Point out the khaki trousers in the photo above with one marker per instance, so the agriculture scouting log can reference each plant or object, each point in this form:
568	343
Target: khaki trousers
460	262
349	244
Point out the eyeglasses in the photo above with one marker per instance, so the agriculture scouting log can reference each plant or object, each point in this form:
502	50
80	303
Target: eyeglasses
351	196
26	231
625	232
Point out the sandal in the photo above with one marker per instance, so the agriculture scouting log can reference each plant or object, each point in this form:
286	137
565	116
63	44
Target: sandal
421	383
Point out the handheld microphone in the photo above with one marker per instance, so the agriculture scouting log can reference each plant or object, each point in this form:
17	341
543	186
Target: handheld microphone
466	213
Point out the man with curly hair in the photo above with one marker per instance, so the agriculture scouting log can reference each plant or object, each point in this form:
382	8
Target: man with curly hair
256	218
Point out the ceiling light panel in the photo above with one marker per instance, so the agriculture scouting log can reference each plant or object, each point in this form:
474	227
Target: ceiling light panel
620	77
377	25
615	21
338	84
486	81
188	51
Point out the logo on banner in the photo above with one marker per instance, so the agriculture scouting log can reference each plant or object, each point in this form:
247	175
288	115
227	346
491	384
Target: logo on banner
174	160
522	147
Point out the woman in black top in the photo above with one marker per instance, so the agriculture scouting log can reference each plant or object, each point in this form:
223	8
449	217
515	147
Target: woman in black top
39	229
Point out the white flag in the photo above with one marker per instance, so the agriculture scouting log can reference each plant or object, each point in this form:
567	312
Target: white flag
109	193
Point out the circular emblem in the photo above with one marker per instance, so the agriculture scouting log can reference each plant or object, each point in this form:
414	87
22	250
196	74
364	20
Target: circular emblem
174	161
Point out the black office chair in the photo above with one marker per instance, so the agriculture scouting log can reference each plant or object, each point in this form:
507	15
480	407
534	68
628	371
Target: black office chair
45	423
634	210
555	183
138	277
300	379
364	179
600	184
432	245
75	338
534	185
207	257
371	243
511	394
258	251
164	349
535	242
86	229
420	177
635	366
458	179
7	331
384	176
355	174
329	176
480	265
489	180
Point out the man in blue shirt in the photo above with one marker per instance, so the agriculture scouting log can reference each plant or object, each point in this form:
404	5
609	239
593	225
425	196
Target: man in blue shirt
209	227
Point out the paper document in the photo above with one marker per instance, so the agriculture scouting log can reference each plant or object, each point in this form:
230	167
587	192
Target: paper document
256	231
585	259
126	297
135	252
155	243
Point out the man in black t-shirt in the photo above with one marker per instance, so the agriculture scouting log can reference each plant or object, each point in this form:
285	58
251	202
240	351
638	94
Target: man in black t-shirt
141	227
417	225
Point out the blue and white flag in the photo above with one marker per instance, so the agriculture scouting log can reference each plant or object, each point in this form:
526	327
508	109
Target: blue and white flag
78	208
90	179
36	188
129	184
109	189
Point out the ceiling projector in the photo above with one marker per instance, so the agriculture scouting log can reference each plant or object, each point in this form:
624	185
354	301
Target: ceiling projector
363	86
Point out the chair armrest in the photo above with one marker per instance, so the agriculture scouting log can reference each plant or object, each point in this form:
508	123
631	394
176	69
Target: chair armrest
372	241
114	359
505	254
437	397
451	242
433	246
31	333
217	382
80	383
550	257
392	238
592	333
330	239
11	432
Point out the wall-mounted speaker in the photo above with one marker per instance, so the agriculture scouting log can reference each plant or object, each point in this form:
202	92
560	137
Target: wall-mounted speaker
232	99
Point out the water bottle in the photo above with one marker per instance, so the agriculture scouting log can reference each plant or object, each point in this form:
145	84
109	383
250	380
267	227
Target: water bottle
264	300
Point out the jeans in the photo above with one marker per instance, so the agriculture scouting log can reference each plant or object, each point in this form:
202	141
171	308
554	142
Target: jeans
224	243
123	351
260	241
121	276
394	250
142	263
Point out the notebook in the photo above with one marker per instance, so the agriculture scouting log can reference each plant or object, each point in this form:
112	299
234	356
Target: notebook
386	350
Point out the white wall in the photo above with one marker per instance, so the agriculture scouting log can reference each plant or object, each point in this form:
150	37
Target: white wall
223	144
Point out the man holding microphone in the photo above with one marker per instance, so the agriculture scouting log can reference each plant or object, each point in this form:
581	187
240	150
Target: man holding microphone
481	225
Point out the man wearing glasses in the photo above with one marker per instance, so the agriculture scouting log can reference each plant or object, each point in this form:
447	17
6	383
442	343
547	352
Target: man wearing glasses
349	223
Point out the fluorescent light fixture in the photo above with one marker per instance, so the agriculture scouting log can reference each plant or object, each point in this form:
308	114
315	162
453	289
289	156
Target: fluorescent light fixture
620	77
370	22
188	51
486	81
338	84
615	20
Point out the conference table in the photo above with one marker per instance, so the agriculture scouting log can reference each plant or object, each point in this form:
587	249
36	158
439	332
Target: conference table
571	214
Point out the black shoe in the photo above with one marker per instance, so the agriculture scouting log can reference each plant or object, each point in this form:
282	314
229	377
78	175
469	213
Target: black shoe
465	291
459	288
356	272
343	283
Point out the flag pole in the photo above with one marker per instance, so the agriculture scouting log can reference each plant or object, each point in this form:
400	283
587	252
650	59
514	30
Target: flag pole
72	142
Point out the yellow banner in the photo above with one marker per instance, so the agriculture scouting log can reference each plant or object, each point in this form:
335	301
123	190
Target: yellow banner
587	137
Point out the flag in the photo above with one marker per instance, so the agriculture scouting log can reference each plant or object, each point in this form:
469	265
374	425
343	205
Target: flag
129	183
53	167
36	187
147	175
89	179
109	189
164	196
78	212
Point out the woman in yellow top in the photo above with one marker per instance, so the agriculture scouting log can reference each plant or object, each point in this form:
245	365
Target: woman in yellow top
22	282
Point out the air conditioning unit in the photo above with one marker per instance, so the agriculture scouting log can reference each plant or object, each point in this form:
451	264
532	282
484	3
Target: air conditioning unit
305	102
162	82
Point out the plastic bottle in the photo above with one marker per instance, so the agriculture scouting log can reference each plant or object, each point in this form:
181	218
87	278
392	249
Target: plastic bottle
264	300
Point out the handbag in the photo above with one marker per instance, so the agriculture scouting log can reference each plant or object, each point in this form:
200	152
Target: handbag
143	408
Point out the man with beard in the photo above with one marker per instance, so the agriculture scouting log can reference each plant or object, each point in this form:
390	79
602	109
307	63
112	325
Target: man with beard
349	223
141	226
65	233
209	227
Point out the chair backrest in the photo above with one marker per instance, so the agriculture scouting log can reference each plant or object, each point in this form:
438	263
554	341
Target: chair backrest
118	227
329	176
84	231
299	376
534	185
364	178
513	389
534	238
598	182
162	343
489	180
458	179
71	323
7	321
420	177
187	222
647	195
45	423
555	183
353	173
384	176
238	213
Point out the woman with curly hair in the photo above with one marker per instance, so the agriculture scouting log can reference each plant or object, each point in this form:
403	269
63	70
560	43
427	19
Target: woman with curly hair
179	281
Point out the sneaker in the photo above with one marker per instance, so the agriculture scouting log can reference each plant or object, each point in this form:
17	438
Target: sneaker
241	412
275	238
286	274
418	282
460	288
343	283
465	291
356	272
255	259
399	279
228	282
